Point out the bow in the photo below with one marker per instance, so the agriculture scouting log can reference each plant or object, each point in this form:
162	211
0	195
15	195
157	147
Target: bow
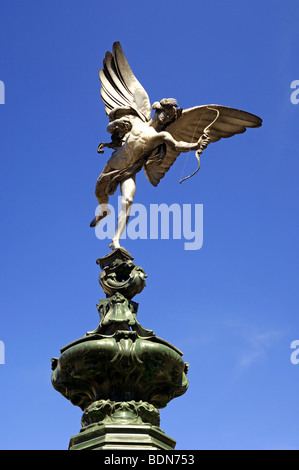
198	152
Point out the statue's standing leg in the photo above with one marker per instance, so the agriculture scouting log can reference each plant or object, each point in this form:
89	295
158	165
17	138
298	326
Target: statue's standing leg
127	189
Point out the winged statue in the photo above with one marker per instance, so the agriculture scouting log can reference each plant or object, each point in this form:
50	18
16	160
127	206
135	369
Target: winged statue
151	136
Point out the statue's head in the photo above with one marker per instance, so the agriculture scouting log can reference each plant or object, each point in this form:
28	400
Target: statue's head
167	110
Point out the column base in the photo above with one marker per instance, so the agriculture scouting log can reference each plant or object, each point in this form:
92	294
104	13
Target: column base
121	437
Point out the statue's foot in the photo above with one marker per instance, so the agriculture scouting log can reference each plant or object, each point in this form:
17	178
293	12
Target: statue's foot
114	245
99	217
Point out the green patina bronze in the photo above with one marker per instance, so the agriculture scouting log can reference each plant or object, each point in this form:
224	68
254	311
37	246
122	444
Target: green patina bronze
120	374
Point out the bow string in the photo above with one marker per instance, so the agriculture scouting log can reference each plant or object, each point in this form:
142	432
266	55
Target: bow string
198	152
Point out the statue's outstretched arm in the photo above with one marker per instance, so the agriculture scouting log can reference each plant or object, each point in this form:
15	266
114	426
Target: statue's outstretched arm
105	144
182	146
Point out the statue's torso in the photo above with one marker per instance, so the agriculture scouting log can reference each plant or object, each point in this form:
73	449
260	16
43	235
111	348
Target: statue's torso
140	142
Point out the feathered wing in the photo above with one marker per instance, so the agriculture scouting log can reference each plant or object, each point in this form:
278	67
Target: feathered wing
120	88
190	126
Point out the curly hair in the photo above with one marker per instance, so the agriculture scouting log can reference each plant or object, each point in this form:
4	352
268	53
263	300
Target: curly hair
170	105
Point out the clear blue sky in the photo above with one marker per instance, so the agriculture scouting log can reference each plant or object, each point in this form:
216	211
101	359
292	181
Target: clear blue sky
232	306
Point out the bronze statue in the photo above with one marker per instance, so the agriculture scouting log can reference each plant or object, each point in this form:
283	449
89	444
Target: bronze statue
152	142
120	374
